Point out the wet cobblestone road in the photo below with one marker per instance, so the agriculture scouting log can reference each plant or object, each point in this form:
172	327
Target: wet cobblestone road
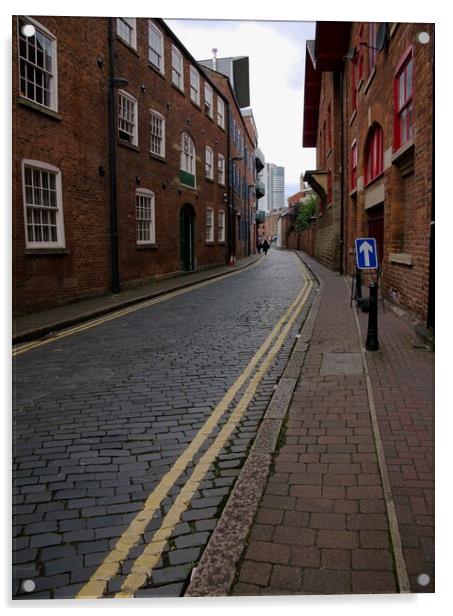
100	418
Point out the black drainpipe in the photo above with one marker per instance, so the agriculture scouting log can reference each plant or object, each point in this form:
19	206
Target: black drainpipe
115	277
229	190
342	174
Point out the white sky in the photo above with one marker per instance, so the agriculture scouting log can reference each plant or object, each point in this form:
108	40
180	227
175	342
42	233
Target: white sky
276	52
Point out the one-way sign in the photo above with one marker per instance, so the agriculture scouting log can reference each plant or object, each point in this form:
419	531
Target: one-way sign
366	253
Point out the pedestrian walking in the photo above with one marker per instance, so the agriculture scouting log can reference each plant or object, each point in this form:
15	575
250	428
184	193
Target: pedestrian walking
259	245
265	246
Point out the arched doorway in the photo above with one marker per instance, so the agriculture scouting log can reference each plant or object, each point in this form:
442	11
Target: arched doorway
187	238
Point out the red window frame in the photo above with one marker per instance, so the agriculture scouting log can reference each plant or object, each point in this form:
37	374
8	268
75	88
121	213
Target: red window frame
374	165
354	154
403	88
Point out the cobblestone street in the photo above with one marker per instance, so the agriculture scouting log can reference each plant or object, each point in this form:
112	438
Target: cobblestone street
102	416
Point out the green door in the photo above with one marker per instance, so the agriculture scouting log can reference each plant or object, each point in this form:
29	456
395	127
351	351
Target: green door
187	238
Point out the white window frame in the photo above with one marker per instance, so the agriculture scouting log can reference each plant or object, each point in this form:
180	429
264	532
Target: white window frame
53	74
221	226
194	85
208	100
161	119
132	23
51	169
221	169
160	66
188	160
134	133
220	112
209	220
177	72
209	162
148	195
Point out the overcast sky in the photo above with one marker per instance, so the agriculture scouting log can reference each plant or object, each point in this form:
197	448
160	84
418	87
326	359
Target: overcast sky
276	51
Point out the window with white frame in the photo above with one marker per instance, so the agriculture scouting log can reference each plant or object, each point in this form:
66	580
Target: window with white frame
157	133
127	118
43	205
177	75
209	163
38	65
209	225
221	169
144	216
220	113
208	100
221	226
187	164
155	47
126	28
194	85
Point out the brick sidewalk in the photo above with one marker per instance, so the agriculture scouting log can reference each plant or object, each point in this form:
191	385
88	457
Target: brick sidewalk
322	526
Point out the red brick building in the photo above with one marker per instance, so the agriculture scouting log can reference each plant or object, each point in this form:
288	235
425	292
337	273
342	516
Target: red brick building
242	145
120	158
369	112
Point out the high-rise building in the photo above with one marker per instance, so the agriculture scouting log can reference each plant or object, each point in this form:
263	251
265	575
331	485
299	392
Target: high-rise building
273	178
237	71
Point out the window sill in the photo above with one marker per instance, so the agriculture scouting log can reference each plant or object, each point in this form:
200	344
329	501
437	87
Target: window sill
45	252
146	246
353	117
404	158
210	243
370	79
375	179
161	159
210	180
128	145
401	258
157	71
126	44
187	187
178	89
39	108
195	104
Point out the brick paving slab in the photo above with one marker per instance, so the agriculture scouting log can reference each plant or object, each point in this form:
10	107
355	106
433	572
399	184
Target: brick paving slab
330	531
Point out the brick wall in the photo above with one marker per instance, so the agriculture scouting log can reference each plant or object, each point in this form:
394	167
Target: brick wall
405	185
75	140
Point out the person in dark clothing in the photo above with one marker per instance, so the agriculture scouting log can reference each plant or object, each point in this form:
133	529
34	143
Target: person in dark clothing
259	245
265	246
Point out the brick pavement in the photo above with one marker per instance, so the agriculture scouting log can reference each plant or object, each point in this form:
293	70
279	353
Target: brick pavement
322	525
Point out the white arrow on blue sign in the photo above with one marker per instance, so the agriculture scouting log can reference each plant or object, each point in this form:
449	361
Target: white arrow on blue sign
366	253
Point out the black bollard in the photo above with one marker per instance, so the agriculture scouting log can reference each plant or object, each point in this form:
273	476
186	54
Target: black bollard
372	342
358	285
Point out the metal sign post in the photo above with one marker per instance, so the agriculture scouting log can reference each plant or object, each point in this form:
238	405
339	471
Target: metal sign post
367	258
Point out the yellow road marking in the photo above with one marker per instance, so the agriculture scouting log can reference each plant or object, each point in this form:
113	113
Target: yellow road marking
96	585
145	563
28	346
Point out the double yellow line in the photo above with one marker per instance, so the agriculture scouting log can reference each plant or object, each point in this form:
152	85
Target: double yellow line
28	346
144	564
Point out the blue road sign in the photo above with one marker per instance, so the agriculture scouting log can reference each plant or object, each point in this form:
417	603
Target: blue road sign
366	253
